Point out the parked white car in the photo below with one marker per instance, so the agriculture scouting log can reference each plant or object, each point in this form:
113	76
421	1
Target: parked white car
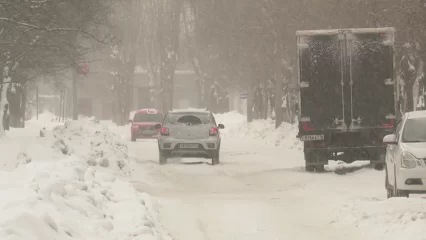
406	156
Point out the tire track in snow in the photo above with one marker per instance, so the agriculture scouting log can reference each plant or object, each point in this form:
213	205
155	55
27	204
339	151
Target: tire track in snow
252	195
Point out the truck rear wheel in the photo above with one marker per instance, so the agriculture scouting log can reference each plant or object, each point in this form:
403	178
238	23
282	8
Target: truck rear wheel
319	168
379	162
308	160
315	161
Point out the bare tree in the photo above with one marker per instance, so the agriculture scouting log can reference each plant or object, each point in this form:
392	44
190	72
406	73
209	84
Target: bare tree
128	18
44	37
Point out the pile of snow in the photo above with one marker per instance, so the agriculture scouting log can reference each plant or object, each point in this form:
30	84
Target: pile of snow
397	218
236	126
107	150
63	189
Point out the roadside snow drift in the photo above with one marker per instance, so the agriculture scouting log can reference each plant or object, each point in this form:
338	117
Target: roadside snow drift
72	184
236	126
393	219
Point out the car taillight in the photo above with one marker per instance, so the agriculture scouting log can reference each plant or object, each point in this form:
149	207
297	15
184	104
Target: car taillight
213	131
307	127
164	131
388	125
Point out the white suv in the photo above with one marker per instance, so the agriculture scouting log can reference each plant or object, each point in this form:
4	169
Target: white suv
406	156
190	133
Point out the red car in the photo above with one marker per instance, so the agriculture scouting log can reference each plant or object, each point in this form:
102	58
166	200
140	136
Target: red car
143	124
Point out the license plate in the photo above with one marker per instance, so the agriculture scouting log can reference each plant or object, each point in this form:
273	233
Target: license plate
312	138
188	145
148	132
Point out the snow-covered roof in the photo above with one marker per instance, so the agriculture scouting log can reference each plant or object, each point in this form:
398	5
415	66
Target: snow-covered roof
416	114
148	110
335	31
188	110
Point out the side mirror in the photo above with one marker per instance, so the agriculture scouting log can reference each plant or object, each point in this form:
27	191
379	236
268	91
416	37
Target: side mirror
157	126
390	139
221	126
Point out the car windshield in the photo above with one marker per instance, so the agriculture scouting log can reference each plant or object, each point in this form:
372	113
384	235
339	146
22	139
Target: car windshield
188	118
145	117
414	130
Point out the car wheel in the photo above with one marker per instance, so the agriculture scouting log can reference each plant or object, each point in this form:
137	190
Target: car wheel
388	187
390	193
162	157
216	158
133	138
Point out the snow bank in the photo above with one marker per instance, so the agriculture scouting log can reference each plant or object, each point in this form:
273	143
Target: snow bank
73	187
236	126
397	218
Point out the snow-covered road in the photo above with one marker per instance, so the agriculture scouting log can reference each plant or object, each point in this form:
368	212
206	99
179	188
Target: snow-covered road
259	191
256	193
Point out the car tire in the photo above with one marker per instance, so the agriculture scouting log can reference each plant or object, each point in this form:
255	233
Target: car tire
216	158
388	187
381	159
162	157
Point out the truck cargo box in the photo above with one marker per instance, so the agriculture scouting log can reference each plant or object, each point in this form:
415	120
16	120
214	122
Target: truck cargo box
348	89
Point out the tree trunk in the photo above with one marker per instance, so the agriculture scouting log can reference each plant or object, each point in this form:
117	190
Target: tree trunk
169	32
23	107
74	95
3	99
279	118
14	97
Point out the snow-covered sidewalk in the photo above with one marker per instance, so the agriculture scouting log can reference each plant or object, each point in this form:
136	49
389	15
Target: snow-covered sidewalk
73	183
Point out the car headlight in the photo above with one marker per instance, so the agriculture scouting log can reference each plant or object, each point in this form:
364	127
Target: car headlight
409	161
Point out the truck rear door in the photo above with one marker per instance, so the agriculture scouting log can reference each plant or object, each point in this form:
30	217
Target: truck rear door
370	64
321	75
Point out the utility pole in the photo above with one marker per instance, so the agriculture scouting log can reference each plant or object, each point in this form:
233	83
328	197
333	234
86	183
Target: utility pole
74	95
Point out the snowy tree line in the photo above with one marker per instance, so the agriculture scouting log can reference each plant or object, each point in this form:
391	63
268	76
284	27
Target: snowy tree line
232	45
249	46
41	38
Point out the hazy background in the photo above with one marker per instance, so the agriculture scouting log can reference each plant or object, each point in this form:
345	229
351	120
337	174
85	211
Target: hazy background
222	54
